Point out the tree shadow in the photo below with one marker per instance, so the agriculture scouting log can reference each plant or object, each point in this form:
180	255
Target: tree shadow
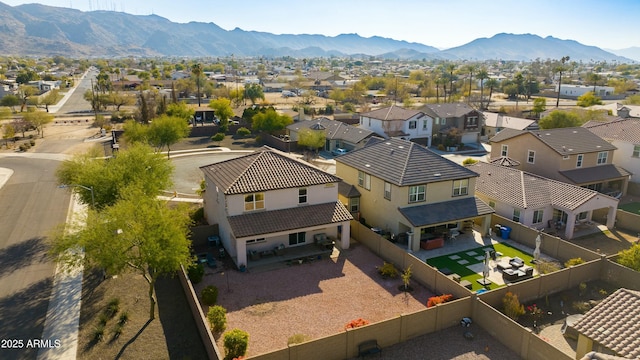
22	315
133	339
181	333
23	254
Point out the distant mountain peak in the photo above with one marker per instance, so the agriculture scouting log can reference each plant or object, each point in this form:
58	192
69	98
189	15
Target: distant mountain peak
52	30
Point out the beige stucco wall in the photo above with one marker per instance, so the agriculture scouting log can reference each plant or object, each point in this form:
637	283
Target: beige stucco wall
286	198
547	161
382	213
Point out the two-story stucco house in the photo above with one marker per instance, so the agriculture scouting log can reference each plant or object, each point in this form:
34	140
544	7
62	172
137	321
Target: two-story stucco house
267	199
457	120
538	202
398	122
573	155
338	134
624	134
405	188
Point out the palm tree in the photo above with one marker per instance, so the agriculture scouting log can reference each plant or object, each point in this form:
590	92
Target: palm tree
491	84
196	70
471	68
451	68
482	74
560	69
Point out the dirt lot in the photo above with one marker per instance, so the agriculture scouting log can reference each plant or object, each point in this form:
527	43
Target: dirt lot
172	335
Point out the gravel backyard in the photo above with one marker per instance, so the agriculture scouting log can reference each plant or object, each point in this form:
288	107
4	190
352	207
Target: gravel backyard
318	298
315	299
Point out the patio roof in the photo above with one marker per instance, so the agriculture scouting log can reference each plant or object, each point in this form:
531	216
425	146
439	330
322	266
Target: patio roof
268	222
444	212
595	174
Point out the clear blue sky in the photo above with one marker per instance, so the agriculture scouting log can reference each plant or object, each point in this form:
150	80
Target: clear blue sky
441	23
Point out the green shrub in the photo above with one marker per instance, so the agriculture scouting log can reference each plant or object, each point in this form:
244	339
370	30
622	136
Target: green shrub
581	306
32	142
196	272
512	307
117	330
469	161
547	267
209	295
112	308
98	333
388	270
218	137
243	131
197	215
441	147
124	318
103	318
574	261
217	316
235	343
297	339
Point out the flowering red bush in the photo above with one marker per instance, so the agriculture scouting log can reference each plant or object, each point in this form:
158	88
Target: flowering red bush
435	300
356	323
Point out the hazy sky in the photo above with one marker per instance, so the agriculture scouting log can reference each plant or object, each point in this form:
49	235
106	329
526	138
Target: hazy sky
441	23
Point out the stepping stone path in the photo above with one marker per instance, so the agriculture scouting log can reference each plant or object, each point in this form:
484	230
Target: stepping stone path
454	257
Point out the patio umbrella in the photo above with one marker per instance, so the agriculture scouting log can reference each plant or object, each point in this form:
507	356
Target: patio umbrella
487	270
536	252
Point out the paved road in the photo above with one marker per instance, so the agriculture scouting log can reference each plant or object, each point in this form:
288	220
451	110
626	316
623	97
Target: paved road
76	102
30	206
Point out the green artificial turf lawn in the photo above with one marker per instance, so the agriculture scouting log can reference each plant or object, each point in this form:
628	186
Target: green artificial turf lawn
633	207
465	273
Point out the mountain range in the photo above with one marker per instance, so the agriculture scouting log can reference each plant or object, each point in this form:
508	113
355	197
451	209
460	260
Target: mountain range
39	30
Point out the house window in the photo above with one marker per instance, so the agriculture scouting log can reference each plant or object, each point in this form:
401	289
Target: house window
387	190
424	124
297	238
504	150
354	204
579	160
364	180
516	215
537	216
460	187
636	151
583	215
417	193
531	157
412	124
254	201
602	157
492	204
472	121
302	196
254	241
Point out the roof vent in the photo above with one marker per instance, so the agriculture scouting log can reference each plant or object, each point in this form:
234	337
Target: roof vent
367	165
400	147
575	132
437	174
388	143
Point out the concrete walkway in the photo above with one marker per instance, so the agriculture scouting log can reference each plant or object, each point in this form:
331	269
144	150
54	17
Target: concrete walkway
63	315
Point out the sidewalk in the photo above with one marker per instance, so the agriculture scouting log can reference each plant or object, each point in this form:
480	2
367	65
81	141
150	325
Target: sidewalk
63	315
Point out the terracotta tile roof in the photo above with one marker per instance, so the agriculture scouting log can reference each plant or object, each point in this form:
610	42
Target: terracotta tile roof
564	141
448	110
392	113
624	129
268	222
264	170
594	174
615	323
334	130
446	211
526	190
403	163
